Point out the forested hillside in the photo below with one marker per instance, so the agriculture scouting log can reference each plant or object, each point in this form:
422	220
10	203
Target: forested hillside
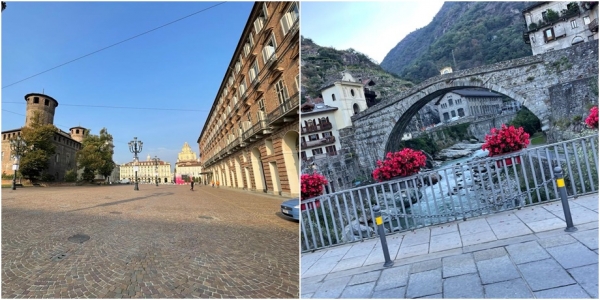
477	33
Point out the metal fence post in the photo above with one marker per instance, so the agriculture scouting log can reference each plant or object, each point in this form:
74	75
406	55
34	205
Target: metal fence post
381	232
562	190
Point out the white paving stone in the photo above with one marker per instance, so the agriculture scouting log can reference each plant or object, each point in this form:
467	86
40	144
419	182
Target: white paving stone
511	228
446	241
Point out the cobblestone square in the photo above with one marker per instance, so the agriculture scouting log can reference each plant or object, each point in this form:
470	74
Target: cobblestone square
158	242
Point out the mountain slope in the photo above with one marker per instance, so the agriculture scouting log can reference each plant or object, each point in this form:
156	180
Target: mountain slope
323	65
475	33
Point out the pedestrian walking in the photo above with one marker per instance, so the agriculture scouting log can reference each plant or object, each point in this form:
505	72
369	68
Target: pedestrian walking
217	184
192	183
212	182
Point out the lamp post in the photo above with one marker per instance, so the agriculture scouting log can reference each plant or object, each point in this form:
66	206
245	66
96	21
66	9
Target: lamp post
156	160
135	147
17	145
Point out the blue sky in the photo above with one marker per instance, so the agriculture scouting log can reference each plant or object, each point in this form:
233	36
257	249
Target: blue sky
175	70
372	28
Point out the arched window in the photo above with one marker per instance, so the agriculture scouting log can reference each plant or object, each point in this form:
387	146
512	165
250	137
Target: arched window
356	108
333	97
352	92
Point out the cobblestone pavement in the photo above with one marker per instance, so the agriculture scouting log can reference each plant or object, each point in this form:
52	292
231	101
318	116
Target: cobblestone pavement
158	242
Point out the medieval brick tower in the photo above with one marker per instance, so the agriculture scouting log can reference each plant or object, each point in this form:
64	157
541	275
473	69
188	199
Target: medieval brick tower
43	104
77	133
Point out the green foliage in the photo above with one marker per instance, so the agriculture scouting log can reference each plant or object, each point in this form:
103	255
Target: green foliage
323	65
478	33
7	176
560	65
424	143
47	177
95	155
39	148
551	15
526	119
538	138
458	132
71	175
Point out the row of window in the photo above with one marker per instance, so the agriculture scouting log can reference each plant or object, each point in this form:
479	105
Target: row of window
330	150
485	110
461	113
451	103
238	86
282	96
312	122
10	135
36	100
315	137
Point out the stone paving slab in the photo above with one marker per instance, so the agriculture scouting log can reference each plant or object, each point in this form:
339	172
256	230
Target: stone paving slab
511	289
424	284
158	242
553	274
463	286
587	277
502	258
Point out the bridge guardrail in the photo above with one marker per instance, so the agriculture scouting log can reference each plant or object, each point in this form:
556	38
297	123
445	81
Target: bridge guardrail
466	190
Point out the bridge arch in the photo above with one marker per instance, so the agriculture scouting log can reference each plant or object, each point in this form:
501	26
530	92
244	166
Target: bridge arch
394	139
543	83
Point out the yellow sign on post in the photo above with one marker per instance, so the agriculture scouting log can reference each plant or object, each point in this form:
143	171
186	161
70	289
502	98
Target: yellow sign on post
560	182
378	220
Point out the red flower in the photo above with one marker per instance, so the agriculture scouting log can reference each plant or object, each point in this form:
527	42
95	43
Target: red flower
592	119
311	185
505	140
401	163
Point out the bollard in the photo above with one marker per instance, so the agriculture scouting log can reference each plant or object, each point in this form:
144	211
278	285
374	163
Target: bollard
562	190
381	232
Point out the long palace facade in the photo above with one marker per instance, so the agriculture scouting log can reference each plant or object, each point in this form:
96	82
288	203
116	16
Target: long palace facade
250	139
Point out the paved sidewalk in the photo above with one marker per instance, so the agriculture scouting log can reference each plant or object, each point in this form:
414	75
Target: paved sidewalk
516	254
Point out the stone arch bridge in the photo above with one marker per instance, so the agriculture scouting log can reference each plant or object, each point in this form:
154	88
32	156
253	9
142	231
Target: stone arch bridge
547	84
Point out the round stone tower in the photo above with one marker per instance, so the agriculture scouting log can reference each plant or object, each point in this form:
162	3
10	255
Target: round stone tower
77	133
42	104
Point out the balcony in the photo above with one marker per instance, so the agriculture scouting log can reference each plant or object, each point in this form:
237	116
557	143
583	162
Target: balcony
316	128
239	103
593	26
256	131
286	111
317	143
271	61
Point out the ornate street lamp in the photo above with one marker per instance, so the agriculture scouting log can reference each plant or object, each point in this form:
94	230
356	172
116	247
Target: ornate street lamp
135	147
156	160
17	145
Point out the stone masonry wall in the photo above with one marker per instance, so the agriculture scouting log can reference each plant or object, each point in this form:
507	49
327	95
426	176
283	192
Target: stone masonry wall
528	80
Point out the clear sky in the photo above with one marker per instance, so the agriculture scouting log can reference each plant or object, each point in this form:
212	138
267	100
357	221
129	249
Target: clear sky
173	73
372	28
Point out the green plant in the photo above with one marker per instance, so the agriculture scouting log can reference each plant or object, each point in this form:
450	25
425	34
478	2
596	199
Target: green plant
47	177
71	175
7	176
533	26
552	15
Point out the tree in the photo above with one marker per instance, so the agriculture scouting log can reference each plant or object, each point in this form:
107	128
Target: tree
526	119
95	155
39	148
71	175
